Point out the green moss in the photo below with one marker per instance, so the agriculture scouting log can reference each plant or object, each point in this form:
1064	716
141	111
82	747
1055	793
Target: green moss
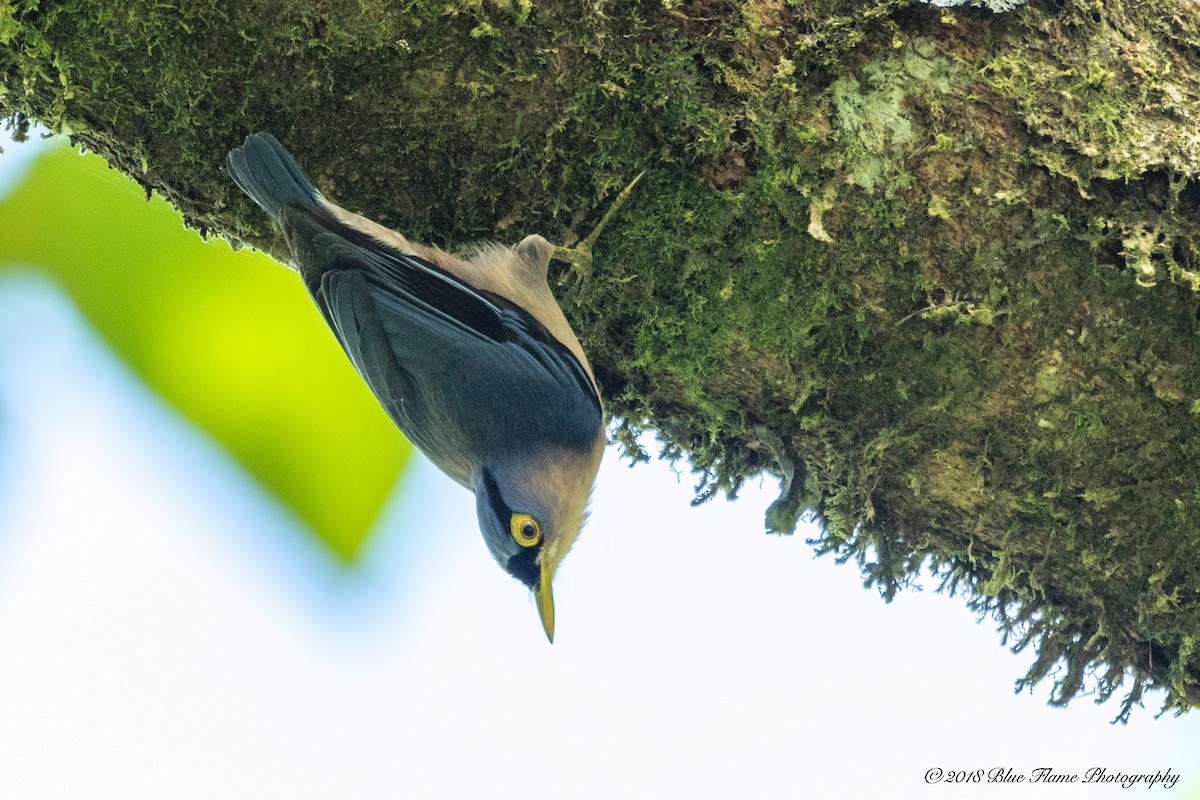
936	270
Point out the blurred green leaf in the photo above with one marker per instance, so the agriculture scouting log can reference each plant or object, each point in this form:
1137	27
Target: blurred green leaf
230	339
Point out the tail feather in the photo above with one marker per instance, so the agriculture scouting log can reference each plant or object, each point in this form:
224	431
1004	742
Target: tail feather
266	171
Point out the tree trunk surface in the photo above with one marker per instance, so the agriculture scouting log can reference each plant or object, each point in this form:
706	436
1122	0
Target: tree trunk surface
937	269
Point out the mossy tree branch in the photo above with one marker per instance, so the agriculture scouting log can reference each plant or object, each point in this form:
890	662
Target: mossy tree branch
940	268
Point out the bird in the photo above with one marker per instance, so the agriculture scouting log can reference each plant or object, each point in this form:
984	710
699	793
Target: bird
470	356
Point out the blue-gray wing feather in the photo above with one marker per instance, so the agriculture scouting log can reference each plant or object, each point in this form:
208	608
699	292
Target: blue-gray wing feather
462	372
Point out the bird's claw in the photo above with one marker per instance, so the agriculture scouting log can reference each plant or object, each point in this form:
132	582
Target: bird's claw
580	256
580	259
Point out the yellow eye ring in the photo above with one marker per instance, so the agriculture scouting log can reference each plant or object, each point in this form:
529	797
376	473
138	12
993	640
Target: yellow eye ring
525	530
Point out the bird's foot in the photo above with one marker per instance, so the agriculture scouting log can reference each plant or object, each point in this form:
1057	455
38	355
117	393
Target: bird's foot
580	259
580	256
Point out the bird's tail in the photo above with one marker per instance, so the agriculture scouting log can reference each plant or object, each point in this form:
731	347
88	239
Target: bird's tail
266	171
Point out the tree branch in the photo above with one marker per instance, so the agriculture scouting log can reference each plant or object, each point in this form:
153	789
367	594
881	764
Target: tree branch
1017	189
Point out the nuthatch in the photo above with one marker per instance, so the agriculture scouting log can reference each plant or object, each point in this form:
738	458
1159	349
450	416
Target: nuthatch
471	357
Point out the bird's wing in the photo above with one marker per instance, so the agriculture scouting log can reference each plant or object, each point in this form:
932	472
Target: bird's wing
430	319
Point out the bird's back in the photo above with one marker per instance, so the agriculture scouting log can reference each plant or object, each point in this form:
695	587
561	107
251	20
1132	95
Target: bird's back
455	366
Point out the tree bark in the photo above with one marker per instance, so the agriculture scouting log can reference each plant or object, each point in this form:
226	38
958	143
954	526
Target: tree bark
937	269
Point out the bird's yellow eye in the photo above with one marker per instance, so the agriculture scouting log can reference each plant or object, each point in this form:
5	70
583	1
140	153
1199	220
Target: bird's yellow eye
525	530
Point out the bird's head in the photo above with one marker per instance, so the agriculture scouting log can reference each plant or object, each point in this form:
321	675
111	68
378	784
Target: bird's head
531	509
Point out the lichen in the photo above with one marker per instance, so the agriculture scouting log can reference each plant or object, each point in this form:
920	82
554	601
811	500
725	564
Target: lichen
997	6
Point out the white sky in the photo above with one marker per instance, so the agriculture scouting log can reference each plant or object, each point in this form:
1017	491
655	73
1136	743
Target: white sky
168	630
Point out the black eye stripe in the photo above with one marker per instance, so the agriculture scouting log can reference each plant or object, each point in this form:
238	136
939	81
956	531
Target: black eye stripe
492	490
524	567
